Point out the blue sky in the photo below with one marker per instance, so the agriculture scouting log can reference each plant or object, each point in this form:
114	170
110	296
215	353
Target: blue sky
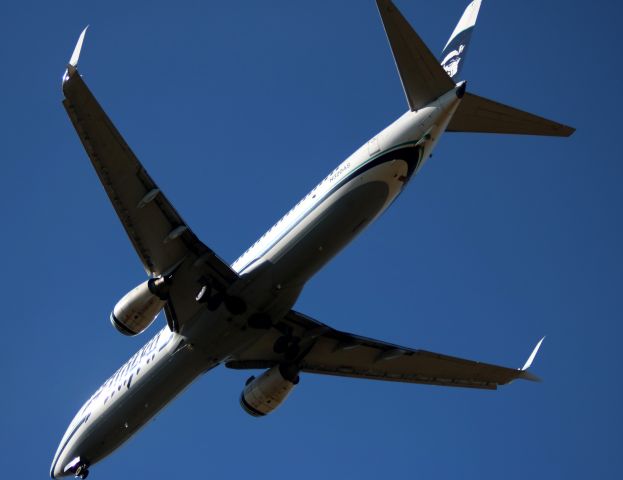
237	109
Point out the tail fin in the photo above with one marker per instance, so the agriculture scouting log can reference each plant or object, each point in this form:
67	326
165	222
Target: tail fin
423	79
453	55
479	114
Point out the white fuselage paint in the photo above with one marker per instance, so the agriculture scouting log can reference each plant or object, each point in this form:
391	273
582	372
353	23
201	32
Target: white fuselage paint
287	255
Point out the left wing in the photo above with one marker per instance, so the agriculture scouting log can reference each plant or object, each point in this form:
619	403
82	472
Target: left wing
161	238
324	350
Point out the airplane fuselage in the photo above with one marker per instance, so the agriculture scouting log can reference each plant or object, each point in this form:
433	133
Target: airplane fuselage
274	271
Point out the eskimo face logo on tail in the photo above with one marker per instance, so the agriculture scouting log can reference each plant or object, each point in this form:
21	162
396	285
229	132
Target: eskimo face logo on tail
453	55
451	61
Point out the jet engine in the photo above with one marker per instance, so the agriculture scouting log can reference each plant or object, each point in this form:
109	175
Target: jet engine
139	307
265	393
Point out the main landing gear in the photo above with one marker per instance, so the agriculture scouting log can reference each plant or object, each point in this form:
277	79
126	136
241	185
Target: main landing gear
260	321
287	345
214	298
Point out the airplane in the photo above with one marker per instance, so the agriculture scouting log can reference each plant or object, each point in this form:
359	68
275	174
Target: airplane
241	315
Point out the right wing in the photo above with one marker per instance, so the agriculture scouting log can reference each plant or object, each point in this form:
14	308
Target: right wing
328	351
479	114
159	235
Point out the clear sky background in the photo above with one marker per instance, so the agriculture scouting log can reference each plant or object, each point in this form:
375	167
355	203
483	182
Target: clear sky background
237	109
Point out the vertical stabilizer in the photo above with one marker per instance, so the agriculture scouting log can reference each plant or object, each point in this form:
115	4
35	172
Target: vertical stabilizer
423	79
453	55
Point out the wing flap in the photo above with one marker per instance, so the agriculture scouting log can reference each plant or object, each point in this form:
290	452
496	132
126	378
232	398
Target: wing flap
479	114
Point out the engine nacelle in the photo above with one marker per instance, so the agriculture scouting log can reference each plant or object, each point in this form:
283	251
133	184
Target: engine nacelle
138	309
265	393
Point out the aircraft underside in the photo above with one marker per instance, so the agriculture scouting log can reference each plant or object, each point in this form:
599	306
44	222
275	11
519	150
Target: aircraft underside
241	315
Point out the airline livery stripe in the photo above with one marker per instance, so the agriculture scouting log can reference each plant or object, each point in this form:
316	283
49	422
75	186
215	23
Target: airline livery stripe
364	167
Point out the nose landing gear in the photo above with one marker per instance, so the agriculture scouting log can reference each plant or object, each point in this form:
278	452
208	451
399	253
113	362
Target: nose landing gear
82	471
79	467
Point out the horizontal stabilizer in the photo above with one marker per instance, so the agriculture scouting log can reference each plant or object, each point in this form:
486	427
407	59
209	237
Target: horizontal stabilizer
423	79
479	114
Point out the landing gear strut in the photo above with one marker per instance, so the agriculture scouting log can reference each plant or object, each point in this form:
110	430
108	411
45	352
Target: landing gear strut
78	466
260	321
287	345
82	471
214	299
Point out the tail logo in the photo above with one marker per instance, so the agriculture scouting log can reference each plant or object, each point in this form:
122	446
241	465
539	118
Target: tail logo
456	48
451	61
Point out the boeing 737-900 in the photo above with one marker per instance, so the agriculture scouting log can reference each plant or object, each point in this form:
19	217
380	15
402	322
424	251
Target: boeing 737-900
241	315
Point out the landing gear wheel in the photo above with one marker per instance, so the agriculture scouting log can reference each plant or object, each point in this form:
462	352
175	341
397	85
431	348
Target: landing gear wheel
82	471
214	301
281	344
292	352
235	305
287	345
260	321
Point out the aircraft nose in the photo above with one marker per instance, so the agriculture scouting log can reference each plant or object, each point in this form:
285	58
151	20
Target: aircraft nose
62	463
58	463
64	454
56	469
55	466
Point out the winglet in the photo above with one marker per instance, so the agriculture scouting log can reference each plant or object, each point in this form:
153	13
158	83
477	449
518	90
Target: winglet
532	355
73	61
